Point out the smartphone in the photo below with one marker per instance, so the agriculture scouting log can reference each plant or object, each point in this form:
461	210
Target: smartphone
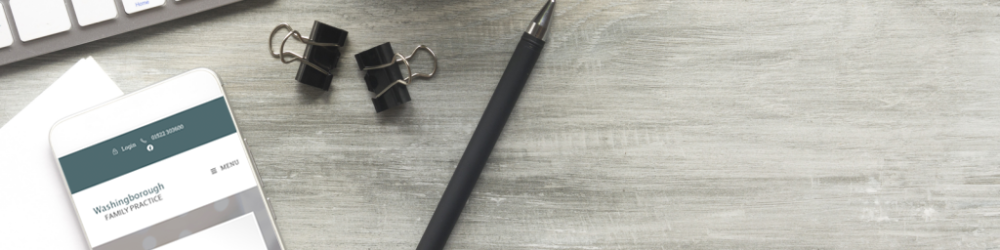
164	168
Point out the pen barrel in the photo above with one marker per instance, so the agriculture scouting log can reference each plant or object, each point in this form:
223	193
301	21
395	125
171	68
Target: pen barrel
481	145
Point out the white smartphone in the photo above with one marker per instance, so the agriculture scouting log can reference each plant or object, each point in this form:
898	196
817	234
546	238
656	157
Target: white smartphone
164	168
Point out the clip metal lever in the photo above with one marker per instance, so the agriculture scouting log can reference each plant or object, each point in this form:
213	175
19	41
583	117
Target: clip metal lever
387	82
405	60
321	55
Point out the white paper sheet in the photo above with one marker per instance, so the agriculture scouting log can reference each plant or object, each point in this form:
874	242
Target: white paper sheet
36	211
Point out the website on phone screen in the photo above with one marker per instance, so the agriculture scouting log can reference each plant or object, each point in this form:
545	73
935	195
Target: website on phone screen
181	182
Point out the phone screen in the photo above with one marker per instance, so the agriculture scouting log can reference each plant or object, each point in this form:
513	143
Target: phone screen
183	181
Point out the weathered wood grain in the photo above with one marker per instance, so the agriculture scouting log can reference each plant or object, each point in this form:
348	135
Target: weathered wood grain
646	124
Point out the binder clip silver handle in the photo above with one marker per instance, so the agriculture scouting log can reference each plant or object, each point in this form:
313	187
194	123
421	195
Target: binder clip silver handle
410	75
282	54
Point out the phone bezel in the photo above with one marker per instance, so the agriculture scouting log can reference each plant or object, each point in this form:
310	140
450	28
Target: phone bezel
62	143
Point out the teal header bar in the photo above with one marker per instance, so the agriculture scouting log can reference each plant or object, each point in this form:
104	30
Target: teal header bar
147	145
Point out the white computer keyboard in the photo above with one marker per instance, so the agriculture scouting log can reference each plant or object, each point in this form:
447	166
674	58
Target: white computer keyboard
30	28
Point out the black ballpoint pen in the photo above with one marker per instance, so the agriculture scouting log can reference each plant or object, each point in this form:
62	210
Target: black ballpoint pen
487	132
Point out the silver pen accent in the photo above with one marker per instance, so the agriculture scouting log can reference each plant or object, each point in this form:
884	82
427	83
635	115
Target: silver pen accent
540	24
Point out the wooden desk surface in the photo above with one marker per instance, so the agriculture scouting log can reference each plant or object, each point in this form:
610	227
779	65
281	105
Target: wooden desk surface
646	124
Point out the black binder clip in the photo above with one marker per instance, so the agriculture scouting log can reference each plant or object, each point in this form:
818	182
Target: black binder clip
321	56
386	81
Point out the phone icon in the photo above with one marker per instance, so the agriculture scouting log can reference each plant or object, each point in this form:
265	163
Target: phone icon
143	141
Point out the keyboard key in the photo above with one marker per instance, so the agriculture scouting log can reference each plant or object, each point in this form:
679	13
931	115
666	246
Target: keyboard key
133	6
39	18
5	37
94	11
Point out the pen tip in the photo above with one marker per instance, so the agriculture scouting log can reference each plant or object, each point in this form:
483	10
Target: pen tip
541	21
